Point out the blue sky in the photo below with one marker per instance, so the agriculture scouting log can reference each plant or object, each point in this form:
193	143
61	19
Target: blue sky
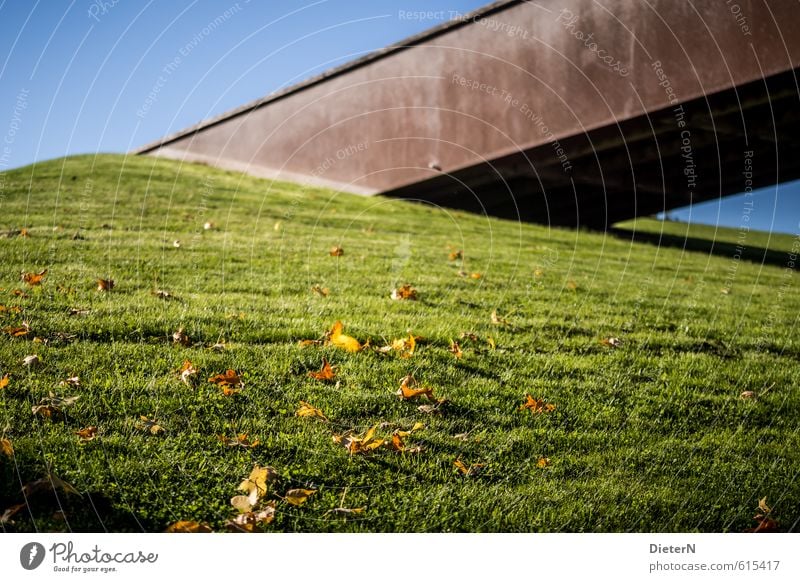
88	76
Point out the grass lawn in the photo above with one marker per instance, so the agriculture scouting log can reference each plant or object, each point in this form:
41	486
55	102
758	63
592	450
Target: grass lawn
652	435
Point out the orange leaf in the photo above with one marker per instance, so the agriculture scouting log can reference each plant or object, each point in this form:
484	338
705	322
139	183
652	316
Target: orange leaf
6	448
325	374
404	292
455	349
87	434
228	391
468	471
543	462
105	284
338	339
187	371
184	526
229	378
4	381
33	279
21	331
409	391
456	255
537	405
336	251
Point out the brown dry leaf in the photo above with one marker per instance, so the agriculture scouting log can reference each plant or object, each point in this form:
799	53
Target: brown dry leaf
307	409
73	381
31	361
4	381
326	374
537	405
409	389
747	394
336	251
53	404
228	391
149	425
320	290
456	255
543	462
185	526
187	372
337	339
468	471
76	311
359	444
763	507
430	408
33	279
455	349
248	522
20	331
240	440
404	293
6	448
298	496
229	379
765	525
611	342
498	320
12	309
104	285
179	337
87	434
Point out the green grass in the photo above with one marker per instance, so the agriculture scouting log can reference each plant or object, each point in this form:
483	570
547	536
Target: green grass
651	436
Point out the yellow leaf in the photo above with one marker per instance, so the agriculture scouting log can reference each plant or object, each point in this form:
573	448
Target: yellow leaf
338	339
241	440
325	374
409	391
148	425
258	480
307	409
762	505
4	381
184	526
468	471
543	462
6	448
455	349
298	496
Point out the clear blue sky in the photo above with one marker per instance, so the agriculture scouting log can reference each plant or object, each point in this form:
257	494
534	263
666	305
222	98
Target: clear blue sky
88	76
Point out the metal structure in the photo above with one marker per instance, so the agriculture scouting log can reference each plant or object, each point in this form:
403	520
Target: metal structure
567	112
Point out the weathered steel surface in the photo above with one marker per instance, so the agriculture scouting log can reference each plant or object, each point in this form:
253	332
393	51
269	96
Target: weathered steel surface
559	111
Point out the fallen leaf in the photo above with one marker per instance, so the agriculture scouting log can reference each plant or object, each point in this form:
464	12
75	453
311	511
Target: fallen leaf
149	426
429	408
404	293
309	342
337	339
456	255
187	372
298	496
33	279
179	337
747	394
537	405
468	471
345	510
19	293
319	290
228	391
184	526
75	311
405	346
360	444
497	319
249	521
336	251
763	507
87	434
229	378
240	440
765	524
53	404
24	233
104	285
162	294
258	480
455	349
307	409
543	462
31	360
409	389
611	342
326	374
4	381
21	331
6	448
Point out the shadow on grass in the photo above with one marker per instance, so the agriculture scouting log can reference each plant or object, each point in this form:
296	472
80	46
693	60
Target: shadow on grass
728	250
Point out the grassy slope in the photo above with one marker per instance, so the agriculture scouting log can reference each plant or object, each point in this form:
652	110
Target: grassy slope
651	436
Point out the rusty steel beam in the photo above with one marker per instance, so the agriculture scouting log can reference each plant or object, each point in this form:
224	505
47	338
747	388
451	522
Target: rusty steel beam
566	112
